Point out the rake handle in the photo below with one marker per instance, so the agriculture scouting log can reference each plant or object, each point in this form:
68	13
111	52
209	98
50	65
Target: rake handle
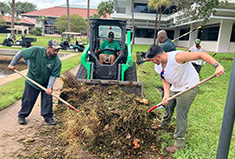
184	91
40	86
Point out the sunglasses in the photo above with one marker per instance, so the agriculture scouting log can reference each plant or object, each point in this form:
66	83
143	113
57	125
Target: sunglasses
162	74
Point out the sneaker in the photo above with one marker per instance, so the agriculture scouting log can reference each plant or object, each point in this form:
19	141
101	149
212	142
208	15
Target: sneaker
51	121
21	121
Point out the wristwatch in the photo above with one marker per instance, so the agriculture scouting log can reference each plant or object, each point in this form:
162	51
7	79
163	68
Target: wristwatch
216	64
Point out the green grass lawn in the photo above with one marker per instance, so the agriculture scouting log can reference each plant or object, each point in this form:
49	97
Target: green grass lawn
204	118
205	115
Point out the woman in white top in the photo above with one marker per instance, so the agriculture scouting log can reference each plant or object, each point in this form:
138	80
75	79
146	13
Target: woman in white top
175	68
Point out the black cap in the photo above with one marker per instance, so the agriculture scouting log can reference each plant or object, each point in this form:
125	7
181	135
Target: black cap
153	51
111	35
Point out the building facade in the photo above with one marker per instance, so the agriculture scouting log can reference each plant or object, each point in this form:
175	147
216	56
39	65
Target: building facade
218	35
55	12
22	26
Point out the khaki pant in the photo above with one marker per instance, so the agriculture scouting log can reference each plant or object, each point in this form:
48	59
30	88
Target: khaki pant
106	58
182	105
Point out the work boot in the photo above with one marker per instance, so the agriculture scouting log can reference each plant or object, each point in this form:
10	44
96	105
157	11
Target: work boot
51	121
21	121
172	149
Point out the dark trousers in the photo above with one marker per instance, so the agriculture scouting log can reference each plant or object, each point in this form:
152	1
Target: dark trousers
29	98
197	67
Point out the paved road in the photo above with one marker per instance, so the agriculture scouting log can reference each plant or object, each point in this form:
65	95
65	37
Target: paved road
8	52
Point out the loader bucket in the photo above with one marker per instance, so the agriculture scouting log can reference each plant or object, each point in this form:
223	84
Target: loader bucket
128	86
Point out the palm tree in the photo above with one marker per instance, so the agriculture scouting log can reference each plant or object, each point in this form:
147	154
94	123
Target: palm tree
4	8
68	19
157	4
104	8
88	20
43	19
13	18
133	28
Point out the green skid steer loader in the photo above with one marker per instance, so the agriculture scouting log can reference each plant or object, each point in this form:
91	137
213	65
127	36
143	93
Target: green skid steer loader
123	71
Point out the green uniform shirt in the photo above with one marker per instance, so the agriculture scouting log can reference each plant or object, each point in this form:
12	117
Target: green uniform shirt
168	45
107	45
41	66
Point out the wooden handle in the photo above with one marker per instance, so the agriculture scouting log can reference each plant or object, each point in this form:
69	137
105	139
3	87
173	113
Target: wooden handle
184	91
40	86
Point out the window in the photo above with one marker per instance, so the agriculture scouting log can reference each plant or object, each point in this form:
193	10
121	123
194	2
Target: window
170	34
144	33
121	10
233	34
182	32
105	29
142	8
149	33
209	34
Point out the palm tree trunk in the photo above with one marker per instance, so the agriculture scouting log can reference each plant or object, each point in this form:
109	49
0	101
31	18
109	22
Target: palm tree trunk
160	15
133	28
43	28
68	16
88	20
13	18
155	29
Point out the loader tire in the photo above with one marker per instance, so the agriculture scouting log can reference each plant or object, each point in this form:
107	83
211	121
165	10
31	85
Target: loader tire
130	74
82	73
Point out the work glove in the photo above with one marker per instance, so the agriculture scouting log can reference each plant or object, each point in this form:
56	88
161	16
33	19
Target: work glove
140	61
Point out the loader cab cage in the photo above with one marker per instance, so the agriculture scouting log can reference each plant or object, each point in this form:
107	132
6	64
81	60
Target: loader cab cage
123	71
99	32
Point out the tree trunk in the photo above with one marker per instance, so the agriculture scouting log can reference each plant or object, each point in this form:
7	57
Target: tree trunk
133	28
160	15
43	28
155	29
88	20
13	18
68	16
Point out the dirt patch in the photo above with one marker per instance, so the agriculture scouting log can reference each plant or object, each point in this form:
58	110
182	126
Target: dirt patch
122	130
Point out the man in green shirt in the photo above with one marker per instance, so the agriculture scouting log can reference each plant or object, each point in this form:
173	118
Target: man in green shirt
167	44
44	67
108	55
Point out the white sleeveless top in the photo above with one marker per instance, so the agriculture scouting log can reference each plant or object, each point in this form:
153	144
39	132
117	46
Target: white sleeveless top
181	76
195	49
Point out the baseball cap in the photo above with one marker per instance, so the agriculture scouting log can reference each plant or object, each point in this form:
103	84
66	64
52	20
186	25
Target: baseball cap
197	41
54	44
111	35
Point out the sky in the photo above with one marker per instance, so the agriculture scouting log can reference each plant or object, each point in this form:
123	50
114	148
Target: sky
42	4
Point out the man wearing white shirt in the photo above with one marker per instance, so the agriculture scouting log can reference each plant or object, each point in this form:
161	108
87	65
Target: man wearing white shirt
197	48
175	68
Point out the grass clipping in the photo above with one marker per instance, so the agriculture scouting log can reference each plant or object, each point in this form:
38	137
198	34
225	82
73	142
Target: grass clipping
110	122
